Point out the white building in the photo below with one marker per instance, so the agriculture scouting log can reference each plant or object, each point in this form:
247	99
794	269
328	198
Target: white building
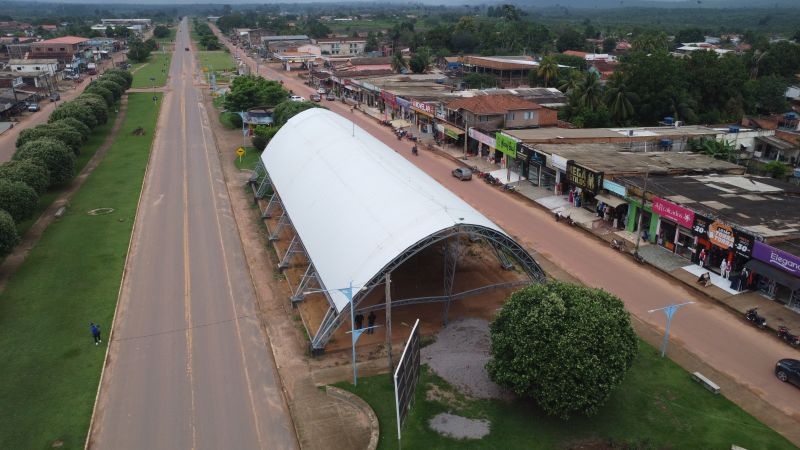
344	46
145	23
44	66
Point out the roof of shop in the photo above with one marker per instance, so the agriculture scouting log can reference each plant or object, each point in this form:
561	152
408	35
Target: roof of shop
613	160
64	40
355	203
762	205
492	104
502	62
556	135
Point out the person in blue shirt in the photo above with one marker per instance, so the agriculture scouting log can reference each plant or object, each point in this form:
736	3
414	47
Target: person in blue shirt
95	329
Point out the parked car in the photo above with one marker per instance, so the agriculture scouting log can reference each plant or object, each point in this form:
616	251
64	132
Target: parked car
321	91
296	98
33	107
55	96
186	49
788	371
330	96
315	97
462	173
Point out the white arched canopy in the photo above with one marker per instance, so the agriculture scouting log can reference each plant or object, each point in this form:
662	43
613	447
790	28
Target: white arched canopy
359	208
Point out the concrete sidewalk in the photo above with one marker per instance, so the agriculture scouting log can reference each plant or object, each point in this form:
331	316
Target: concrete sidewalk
738	302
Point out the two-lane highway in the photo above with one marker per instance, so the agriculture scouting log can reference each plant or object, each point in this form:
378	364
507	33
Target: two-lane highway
189	365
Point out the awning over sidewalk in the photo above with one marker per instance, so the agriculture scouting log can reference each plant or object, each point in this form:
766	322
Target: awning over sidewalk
400	123
772	273
609	200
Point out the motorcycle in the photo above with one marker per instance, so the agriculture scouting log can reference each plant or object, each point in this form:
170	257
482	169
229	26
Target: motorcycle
752	316
489	179
618	244
791	339
509	187
638	257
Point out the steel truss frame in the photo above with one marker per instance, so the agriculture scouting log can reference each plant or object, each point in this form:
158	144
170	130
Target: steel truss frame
503	245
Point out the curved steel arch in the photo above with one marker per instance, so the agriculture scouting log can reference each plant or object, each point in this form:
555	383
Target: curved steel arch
332	321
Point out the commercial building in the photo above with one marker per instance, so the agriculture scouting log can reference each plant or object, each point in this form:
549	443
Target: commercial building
65	49
510	71
344	46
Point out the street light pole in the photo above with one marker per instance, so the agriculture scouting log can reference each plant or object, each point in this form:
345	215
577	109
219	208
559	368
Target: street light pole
668	311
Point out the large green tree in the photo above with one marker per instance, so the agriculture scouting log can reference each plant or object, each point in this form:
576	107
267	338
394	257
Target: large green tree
565	346
52	154
249	91
29	172
18	199
288	109
548	70
8	233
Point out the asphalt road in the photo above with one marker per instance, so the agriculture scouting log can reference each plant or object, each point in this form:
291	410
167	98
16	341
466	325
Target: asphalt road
719	338
189	365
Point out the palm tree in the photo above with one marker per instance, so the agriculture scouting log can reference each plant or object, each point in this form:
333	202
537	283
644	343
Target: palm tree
398	62
571	82
590	92
618	99
548	69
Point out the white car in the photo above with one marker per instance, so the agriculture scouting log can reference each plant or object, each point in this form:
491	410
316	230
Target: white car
321	91
296	98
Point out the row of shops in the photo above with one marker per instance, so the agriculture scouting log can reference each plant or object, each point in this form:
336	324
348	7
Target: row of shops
734	252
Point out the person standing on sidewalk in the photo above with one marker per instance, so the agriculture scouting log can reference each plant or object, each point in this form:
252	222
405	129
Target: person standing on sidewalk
95	329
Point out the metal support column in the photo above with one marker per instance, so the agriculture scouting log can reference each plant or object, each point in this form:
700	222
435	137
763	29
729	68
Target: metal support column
264	187
309	275
451	248
505	263
274	202
282	222
258	172
294	247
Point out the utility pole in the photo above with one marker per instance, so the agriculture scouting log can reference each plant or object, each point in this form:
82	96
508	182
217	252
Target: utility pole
466	135
389	320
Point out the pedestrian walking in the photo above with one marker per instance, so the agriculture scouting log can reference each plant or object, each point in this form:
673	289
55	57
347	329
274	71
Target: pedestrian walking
95	329
359	321
723	266
702	259
371	322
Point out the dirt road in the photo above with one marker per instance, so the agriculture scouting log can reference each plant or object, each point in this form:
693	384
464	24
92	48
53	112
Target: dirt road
189	364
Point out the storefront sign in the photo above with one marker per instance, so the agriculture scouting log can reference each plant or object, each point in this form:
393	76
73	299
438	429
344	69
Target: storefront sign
777	258
523	153
610	186
482	138
559	162
450	133
538	157
370	86
403	103
506	145
721	235
743	243
425	107
584	178
673	212
388	97
700	226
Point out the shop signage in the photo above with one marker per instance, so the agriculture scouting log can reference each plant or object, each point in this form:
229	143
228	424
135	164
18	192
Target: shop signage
523	153
559	162
451	133
403	103
721	235
673	212
538	157
335	79
370	86
700	226
506	145
482	138
743	243
584	178
425	107
388	97
610	186
777	258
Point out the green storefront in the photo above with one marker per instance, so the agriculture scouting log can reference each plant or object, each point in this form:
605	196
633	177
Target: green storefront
649	219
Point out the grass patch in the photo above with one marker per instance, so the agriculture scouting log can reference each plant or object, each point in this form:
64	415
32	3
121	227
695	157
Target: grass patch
658	406
249	159
156	66
88	150
50	365
216	61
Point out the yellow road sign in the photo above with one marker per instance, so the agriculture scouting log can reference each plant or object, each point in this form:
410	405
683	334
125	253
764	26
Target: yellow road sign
240	151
